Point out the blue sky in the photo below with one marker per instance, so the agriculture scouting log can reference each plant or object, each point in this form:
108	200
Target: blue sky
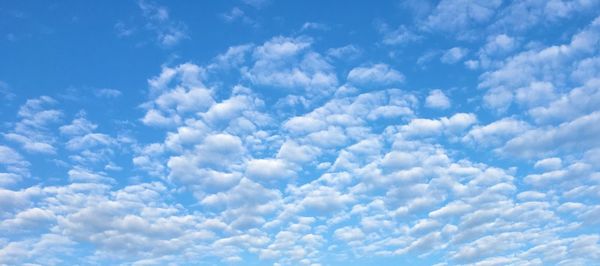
262	132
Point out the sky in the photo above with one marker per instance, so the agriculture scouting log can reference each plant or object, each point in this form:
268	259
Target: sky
263	132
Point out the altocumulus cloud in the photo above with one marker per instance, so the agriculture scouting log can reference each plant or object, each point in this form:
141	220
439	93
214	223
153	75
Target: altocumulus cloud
308	142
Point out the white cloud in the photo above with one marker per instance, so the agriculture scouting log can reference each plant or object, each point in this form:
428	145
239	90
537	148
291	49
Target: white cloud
437	99
549	164
578	101
14	164
376	74
79	174
108	93
79	126
303	124
32	131
545	65
496	132
168	32
536	93
89	141
520	16
269	169
347	52
458	15
499	44
244	173
401	35
453	55
578	134
349	234
290	64
294	152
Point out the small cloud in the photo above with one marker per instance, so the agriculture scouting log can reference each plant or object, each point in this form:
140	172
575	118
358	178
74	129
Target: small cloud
453	55
5	91
313	26
233	15
437	100
345	52
108	93
168	32
375	74
237	14
401	35
123	30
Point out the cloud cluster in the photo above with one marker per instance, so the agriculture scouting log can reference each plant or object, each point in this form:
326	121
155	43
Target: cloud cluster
271	152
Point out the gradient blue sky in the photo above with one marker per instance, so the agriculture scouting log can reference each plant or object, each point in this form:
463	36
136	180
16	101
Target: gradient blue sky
261	132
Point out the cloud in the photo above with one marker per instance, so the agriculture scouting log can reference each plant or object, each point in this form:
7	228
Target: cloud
496	132
269	169
14	164
538	66
459	15
347	52
175	92
399	36
437	100
168	32
377	74
453	55
108	93
523	15
260	155
5	91
78	126
32	130
578	134
289	63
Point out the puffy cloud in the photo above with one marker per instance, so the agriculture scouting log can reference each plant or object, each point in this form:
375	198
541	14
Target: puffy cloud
578	101
290	64
14	164
459	15
176	92
78	126
422	127
268	169
377	74
538	65
578	134
437	99
496	132
453	55
401	35
32	130
522	15
345	52
294	152
549	164
263	157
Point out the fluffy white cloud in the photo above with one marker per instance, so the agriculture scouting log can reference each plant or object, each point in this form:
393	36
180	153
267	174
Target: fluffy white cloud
14	164
32	131
377	74
579	134
269	169
290	64
261	156
496	132
437	99
459	15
